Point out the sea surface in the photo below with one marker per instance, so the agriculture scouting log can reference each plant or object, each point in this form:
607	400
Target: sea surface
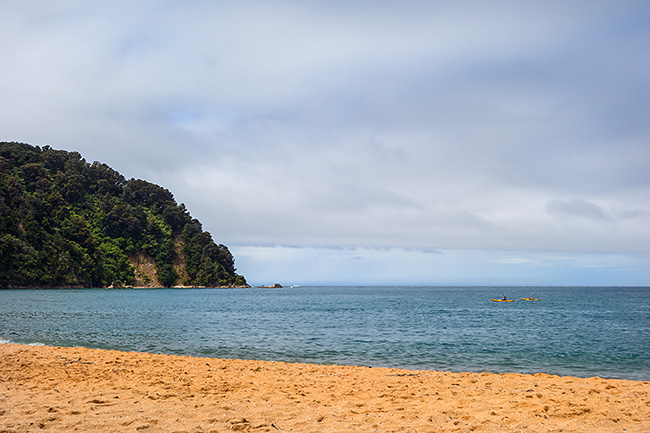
575	331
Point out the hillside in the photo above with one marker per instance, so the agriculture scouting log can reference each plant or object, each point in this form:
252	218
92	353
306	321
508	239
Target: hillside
67	223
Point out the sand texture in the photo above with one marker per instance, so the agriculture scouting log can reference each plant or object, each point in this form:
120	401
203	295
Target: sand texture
48	389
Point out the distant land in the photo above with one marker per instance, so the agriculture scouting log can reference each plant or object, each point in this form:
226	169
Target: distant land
66	223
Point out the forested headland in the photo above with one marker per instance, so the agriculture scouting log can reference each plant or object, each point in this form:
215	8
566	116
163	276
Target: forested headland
68	223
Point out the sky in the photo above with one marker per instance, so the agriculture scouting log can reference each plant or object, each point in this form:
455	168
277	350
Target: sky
361	142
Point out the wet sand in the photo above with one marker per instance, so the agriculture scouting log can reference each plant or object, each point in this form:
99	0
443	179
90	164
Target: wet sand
53	389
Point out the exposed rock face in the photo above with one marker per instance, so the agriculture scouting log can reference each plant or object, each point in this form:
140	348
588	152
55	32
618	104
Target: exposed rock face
145	271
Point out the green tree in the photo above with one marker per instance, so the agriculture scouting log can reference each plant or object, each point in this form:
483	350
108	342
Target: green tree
65	222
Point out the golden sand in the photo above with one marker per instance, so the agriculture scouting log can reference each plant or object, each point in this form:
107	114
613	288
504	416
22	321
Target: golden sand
51	389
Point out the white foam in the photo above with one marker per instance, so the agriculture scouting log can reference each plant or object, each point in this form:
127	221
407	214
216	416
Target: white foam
3	341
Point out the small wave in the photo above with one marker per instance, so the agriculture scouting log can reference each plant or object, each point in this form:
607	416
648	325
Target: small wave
3	341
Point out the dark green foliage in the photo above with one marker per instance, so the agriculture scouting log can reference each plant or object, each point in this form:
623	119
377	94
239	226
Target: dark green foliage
140	192
67	223
205	261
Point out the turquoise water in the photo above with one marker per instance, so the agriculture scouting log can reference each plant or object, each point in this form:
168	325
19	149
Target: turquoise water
577	331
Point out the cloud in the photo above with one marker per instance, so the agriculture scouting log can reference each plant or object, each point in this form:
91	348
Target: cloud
389	266
577	208
440	125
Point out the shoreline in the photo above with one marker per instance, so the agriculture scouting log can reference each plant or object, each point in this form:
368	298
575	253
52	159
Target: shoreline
59	389
120	288
327	363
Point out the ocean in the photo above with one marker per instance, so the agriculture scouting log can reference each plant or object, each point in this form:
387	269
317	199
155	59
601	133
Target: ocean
574	331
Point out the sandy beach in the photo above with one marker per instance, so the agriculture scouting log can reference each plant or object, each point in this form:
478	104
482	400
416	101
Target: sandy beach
55	389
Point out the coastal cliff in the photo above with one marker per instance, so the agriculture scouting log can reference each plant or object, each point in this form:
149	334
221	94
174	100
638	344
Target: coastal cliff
68	223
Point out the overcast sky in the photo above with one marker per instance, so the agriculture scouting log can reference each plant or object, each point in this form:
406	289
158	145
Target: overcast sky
367	142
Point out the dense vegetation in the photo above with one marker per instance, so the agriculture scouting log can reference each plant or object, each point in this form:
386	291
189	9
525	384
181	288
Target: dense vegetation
67	223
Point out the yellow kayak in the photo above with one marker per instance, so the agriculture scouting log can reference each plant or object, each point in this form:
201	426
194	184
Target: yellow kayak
529	299
503	300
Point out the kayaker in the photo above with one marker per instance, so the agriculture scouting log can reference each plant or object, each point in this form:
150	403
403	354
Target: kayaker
503	298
